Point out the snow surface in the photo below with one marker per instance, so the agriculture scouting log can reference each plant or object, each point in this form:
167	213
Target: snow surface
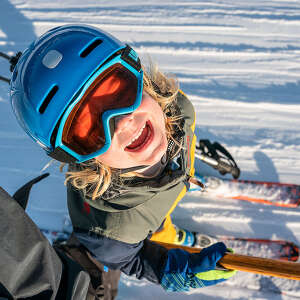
238	61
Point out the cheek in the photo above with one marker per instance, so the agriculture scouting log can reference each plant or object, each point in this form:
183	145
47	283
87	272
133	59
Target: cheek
149	105
159	118
102	159
111	155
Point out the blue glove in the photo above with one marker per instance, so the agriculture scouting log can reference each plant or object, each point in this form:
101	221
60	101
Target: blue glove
184	270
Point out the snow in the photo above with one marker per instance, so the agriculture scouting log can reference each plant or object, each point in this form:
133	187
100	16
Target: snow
238	61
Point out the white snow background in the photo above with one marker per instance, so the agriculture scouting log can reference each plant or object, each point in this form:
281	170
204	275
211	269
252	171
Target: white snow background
238	61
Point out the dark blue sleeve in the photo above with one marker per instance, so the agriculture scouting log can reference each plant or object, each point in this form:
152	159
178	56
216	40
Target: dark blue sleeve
145	259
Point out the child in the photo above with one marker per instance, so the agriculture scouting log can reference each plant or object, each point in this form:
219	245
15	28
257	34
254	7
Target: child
127	135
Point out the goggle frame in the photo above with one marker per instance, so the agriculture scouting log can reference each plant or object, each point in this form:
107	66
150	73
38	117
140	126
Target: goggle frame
131	62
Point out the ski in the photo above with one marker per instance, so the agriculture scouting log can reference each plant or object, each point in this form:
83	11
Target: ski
274	249
271	193
215	155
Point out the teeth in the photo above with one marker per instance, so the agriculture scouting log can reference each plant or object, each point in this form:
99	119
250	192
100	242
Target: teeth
138	135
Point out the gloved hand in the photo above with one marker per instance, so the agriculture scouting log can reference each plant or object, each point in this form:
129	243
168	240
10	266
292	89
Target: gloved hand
184	270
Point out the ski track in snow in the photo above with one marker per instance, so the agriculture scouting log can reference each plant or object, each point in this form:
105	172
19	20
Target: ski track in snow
238	61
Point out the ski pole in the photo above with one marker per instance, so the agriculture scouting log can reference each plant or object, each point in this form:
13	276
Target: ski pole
221	166
252	264
5	56
4	79
216	156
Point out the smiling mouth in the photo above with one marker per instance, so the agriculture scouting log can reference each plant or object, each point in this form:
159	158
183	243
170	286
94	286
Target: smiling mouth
142	139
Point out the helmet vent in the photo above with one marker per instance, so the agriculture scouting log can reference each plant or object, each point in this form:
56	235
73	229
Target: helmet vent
48	98
90	47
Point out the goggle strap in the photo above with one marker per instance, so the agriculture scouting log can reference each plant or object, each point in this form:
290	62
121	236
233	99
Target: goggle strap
130	56
132	169
62	156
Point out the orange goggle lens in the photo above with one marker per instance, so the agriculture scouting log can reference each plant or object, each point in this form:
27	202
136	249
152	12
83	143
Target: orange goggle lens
84	131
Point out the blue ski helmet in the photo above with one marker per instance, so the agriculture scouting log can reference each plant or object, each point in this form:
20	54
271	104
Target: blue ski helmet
53	71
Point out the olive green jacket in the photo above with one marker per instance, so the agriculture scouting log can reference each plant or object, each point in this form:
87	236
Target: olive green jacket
130	211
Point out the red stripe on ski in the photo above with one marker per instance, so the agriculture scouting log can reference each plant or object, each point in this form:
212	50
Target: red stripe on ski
264	201
294	190
288	194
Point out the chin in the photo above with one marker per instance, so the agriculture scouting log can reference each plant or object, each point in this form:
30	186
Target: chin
157	154
153	161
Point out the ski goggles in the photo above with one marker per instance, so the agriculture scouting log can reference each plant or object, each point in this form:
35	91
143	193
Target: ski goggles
87	126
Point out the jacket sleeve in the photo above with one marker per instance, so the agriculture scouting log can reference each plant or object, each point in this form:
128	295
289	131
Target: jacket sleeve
145	259
30	267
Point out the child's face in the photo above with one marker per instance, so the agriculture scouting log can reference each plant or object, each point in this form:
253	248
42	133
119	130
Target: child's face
139	138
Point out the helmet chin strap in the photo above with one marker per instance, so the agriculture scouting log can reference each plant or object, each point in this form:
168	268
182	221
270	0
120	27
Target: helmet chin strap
132	169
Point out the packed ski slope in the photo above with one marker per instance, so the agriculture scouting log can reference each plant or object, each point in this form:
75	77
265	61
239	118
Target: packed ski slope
238	61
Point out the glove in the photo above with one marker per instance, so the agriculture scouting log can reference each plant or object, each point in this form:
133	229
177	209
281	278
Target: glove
184	270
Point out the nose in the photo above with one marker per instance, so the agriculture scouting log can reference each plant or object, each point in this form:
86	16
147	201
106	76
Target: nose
122	121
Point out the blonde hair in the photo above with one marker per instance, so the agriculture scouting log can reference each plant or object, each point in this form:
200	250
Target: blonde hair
93	177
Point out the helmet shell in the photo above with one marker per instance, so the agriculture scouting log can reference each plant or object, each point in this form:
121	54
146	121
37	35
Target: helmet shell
55	67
